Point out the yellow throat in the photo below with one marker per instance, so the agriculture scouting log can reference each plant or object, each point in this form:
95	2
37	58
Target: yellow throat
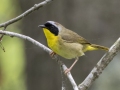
51	38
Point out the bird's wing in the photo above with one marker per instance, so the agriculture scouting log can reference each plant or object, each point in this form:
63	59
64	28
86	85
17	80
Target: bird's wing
72	37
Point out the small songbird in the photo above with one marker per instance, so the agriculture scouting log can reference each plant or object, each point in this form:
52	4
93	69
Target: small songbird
67	43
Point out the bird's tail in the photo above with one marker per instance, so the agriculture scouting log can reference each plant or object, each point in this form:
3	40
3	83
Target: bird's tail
95	47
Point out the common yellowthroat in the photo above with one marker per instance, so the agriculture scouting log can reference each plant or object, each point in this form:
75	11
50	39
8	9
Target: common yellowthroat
67	43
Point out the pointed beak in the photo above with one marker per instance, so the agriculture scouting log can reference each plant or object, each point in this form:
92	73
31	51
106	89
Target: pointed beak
42	26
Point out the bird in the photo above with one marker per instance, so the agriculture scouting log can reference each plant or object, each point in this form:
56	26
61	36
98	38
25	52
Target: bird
67	43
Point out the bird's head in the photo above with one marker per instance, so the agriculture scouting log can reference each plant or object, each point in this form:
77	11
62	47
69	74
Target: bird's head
52	26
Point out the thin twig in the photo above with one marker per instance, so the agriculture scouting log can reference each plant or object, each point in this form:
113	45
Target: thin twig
35	7
2	47
26	38
44	48
2	35
101	65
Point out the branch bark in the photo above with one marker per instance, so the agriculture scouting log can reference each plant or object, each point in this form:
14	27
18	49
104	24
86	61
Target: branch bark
101	65
35	7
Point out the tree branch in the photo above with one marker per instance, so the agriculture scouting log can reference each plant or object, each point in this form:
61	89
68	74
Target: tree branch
101	65
35	7
44	48
69	76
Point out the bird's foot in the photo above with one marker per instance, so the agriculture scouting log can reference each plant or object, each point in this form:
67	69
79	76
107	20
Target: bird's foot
67	71
52	54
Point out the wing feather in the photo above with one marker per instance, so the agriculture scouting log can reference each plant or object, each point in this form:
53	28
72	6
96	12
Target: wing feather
72	37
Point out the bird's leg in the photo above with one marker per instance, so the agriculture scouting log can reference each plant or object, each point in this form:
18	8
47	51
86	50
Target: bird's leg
52	54
68	70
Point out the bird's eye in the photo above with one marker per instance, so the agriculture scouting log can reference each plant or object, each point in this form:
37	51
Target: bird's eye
48	24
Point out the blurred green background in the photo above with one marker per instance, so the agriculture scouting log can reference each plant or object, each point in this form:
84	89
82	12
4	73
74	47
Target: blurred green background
25	66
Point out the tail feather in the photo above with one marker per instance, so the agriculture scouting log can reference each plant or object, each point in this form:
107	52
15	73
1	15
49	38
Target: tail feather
99	47
92	47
